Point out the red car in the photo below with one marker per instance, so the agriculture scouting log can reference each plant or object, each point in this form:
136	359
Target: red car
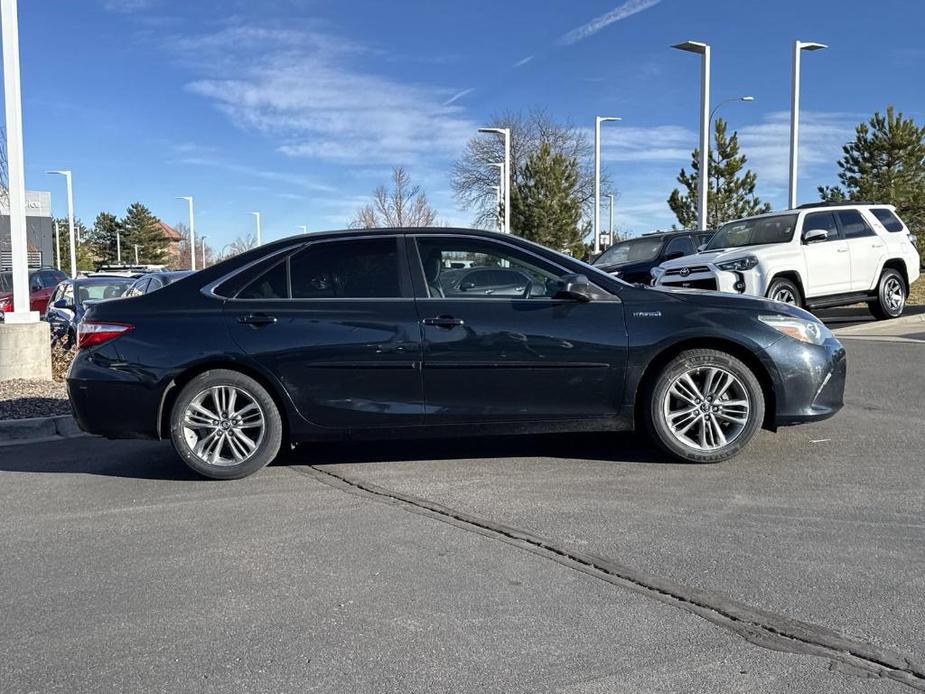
42	283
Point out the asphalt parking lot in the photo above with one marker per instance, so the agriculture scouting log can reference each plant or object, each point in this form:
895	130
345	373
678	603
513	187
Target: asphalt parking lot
559	563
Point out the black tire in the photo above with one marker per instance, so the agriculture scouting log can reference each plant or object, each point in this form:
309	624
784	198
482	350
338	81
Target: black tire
744	386
266	444
782	287
891	296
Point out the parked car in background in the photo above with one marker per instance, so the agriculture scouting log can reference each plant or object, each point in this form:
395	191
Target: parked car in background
488	281
632	260
154	281
352	334
42	282
72	297
816	256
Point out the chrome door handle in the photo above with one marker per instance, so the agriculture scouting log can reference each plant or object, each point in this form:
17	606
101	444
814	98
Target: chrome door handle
842	250
446	322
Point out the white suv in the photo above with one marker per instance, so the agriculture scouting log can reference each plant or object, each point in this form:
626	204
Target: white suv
818	255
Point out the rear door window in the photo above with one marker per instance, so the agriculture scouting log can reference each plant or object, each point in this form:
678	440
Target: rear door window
681	244
853	225
349	269
887	218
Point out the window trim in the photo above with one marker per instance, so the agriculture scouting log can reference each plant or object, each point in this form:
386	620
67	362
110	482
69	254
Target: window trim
405	285
420	285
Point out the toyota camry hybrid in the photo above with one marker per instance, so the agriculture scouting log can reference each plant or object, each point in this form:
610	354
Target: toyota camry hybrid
376	334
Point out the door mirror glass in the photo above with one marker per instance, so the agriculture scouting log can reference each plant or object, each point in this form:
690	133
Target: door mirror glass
574	288
815	235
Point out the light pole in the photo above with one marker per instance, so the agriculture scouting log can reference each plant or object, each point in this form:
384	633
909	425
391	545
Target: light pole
136	254
611	218
257	216
202	241
118	246
500	194
304	228
497	190
798	46
192	231
703	49
597	178
506	178
70	217
17	181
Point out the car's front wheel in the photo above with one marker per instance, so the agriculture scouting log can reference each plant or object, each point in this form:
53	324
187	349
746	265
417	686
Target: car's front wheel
891	296
704	406
785	291
225	425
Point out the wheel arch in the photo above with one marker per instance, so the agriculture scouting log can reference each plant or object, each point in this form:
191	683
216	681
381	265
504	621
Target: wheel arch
897	264
736	349
792	275
176	385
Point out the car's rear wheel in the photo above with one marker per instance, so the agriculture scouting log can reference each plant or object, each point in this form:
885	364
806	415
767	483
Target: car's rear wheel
704	406
785	291
225	425
891	296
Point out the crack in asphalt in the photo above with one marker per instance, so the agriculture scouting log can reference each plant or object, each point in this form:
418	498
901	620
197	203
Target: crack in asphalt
759	627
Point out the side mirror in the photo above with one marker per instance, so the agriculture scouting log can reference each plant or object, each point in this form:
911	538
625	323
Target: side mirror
574	288
815	235
63	303
466	286
701	248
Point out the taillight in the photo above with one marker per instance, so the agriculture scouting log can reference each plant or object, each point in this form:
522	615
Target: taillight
92	333
6	303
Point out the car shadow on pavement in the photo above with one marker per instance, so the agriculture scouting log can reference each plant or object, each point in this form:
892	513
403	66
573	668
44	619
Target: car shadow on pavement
604	447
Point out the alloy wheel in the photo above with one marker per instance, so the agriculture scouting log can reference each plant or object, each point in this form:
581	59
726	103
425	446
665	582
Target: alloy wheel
784	295
706	408
224	425
894	295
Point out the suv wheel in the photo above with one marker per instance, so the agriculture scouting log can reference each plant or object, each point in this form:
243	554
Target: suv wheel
224	425
891	296
704	406
785	291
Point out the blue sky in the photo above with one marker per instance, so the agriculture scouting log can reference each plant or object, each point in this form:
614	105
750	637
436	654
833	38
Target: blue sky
300	108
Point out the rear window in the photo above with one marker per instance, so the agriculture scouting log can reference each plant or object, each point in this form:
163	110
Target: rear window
887	218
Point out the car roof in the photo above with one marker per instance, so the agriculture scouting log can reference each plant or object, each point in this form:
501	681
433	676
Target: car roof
810	206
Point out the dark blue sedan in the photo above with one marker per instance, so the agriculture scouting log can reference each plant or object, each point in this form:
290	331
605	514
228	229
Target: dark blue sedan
72	297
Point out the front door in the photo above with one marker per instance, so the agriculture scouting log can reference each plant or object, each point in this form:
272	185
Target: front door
828	263
335	322
519	354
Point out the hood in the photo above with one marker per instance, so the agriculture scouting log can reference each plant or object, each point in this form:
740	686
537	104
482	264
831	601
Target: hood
626	267
725	300
721	255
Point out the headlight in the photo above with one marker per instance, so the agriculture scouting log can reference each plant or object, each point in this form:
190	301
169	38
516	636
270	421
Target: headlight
657	272
798	328
739	264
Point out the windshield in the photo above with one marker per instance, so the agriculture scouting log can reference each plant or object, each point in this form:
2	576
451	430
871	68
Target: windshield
6	281
102	290
632	251
754	232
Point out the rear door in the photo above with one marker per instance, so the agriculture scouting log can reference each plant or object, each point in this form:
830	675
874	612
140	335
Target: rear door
335	323
828	263
867	250
490	358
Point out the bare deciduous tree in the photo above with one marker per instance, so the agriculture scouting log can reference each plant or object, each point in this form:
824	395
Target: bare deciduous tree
405	205
474	176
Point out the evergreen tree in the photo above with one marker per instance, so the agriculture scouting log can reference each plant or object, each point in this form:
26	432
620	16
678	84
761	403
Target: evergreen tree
88	256
104	235
141	228
885	163
731	194
547	207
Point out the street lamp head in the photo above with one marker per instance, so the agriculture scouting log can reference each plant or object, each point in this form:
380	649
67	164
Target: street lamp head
62	172
811	46
692	47
746	98
604	119
188	198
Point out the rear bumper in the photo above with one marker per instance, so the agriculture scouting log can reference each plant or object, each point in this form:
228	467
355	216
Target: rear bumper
112	403
810	380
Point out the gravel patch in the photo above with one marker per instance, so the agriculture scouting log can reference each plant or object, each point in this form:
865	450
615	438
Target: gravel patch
21	398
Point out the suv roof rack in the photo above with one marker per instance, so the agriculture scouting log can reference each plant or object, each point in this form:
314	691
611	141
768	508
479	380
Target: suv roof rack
834	203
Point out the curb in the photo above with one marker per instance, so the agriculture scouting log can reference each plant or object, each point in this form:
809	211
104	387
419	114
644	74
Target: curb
38	429
885	327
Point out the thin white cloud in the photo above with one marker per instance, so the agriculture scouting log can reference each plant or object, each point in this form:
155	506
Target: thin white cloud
622	143
302	88
627	9
523	61
128	6
458	95
279	177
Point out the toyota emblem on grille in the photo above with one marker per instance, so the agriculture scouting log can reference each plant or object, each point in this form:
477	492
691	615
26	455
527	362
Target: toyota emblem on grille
685	271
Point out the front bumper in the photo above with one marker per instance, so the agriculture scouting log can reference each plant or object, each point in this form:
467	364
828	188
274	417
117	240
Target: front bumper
810	380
